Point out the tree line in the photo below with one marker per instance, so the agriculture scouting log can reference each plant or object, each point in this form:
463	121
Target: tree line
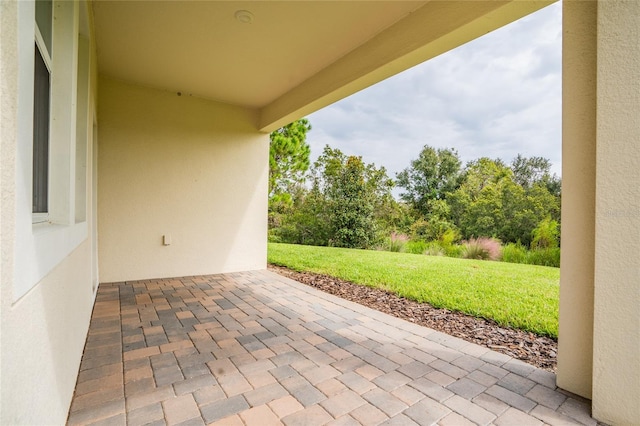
341	201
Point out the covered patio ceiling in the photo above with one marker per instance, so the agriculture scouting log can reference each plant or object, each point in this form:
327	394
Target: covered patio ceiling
285	59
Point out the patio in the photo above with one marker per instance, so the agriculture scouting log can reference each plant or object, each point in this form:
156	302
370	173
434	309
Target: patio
256	348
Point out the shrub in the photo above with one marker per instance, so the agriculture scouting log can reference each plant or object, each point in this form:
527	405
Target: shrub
544	257
434	229
433	248
419	229
473	250
449	237
415	246
545	236
517	253
514	253
454	250
397	242
273	237
482	248
447	242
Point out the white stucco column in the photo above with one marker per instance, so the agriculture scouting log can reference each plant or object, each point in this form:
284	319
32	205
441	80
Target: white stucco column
575	343
616	334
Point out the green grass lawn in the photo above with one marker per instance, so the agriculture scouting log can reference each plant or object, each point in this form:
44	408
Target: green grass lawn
515	295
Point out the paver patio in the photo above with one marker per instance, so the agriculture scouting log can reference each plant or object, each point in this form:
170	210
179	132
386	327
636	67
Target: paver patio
255	348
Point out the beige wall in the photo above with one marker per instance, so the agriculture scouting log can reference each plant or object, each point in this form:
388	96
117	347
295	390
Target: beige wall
578	196
616	338
178	165
42	330
43	336
599	339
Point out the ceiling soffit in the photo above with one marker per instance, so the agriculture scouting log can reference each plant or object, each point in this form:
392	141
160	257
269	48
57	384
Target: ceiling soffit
295	57
199	47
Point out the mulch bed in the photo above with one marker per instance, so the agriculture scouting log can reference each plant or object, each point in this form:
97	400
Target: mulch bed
536	350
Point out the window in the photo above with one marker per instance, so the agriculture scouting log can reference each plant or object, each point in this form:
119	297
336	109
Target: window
41	110
41	95
49	225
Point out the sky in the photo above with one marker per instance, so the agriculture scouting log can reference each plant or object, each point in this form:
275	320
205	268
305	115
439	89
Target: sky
497	96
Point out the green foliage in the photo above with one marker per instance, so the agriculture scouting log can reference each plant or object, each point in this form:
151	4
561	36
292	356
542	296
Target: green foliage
527	171
520	296
433	248
482	249
484	172
302	222
531	171
517	253
352	191
397	242
440	244
420	230
288	156
391	216
416	246
449	237
444	246
345	206
454	250
514	253
447	241
288	163
432	229
490	202
544	257
430	177
477	206
545	235
344	202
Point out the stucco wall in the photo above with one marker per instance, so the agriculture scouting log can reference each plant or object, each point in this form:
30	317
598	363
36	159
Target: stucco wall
182	166
616	354
575	341
599	336
43	336
42	332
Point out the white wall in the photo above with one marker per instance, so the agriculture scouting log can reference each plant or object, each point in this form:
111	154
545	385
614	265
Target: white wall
182	166
46	292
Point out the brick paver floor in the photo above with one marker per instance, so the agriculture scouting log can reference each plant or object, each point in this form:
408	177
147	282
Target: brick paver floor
255	348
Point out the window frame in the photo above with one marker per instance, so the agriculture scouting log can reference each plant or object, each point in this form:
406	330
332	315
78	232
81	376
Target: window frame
41	247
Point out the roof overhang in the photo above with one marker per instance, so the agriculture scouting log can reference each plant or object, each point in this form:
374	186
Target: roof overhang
294	57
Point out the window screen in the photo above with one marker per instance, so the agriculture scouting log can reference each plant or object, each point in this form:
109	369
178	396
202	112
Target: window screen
41	104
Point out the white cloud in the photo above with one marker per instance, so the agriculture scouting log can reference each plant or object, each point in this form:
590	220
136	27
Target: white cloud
496	96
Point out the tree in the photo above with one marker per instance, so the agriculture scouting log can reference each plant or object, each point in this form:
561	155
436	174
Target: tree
288	157
346	204
545	235
305	221
528	172
430	177
476	206
490	203
483	172
351	191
